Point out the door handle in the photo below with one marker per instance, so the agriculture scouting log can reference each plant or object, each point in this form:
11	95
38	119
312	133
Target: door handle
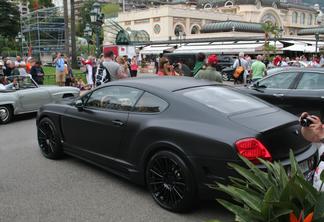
278	94
117	123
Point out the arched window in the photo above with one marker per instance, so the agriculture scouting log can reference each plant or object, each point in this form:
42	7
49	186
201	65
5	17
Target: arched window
195	30
294	17
208	6
302	18
229	3
310	19
178	29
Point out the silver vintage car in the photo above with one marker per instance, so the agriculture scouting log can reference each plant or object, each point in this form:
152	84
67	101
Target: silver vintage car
26	96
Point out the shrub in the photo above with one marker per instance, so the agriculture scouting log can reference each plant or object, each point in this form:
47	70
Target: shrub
273	195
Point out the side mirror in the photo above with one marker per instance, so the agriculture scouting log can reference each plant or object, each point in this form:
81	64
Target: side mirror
79	104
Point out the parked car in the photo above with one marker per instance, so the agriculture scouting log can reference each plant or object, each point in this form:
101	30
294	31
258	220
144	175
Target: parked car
173	134
189	59
292	88
295	64
28	97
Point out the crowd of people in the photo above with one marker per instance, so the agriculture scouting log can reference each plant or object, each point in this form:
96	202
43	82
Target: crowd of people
22	67
245	69
119	67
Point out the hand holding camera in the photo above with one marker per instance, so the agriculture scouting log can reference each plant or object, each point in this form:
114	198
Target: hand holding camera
305	121
312	127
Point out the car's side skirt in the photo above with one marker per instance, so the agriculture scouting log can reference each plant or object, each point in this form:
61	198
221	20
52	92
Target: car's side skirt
115	166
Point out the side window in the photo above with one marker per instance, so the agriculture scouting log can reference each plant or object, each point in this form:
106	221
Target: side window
279	81
311	80
114	98
149	103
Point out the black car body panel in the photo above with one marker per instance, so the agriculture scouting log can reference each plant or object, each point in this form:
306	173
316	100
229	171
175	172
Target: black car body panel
123	141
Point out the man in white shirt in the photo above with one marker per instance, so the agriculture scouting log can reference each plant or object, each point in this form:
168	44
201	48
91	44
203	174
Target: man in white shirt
242	62
21	65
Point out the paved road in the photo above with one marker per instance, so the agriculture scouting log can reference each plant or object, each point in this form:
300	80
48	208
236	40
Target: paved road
33	188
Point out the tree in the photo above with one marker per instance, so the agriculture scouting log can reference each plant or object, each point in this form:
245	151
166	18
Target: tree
9	19
37	4
85	15
269	29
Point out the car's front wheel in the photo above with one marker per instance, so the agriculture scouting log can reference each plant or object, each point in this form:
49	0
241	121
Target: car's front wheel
171	182
49	140
6	114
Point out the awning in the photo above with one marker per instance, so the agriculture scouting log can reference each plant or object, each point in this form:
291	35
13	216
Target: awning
303	46
234	48
156	49
295	48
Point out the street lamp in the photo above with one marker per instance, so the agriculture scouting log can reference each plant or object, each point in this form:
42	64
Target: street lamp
97	19
20	38
317	39
87	32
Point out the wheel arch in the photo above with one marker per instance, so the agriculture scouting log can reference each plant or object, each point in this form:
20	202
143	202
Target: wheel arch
11	104
56	121
163	146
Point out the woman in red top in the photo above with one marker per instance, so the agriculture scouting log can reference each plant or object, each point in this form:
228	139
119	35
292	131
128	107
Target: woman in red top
165	68
133	67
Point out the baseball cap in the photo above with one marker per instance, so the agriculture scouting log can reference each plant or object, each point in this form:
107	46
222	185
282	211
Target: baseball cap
212	59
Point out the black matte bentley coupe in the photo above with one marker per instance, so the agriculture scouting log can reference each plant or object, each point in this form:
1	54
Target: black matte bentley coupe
174	135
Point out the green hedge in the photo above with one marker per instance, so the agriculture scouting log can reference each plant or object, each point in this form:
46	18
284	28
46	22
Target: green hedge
50	78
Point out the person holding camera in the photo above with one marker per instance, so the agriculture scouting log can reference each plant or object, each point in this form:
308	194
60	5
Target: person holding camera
313	131
312	128
59	68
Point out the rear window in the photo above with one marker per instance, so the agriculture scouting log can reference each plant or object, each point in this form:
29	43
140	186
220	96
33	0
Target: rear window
223	99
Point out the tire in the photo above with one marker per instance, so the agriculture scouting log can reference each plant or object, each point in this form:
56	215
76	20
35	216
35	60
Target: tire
48	139
6	114
170	182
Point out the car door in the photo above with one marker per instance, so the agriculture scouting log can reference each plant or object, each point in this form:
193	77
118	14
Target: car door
30	96
275	88
147	108
308	94
95	131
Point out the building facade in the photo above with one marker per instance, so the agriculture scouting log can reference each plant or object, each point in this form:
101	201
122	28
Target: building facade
172	21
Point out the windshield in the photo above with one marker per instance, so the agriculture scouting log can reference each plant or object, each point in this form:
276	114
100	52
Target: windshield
223	99
21	82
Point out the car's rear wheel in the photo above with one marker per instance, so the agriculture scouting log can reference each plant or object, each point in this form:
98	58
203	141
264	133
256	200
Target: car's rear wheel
170	182
49	140
6	114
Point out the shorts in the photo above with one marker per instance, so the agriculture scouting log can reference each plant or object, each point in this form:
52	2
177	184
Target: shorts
60	76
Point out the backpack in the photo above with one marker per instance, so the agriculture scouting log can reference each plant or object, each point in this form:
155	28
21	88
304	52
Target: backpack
239	70
102	75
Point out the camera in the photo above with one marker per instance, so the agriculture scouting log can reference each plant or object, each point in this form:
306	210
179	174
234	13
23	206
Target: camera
175	65
305	122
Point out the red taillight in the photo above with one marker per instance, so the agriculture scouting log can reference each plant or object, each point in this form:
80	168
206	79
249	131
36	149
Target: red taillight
252	149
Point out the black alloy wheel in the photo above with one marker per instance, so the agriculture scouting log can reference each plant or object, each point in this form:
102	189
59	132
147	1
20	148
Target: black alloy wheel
48	139
6	114
170	182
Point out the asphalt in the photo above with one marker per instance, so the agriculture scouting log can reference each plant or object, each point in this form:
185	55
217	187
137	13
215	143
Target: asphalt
34	189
